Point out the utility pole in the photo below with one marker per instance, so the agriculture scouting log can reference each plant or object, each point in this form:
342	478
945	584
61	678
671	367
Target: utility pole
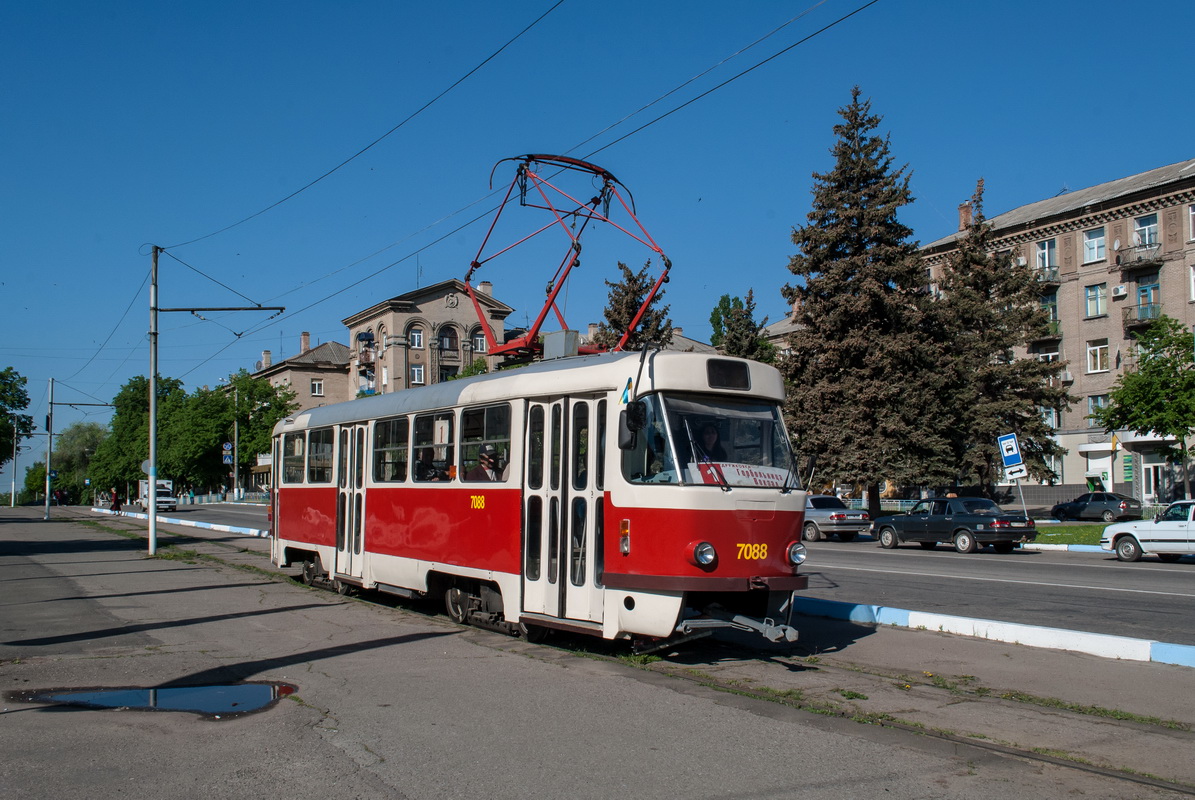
151	466
49	446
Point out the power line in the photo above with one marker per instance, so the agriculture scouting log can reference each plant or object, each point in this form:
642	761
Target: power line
376	141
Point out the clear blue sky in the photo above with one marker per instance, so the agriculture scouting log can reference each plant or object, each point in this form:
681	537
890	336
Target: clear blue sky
130	123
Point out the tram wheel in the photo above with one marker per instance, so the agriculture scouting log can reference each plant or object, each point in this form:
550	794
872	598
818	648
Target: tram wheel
343	588
533	633
456	603
309	573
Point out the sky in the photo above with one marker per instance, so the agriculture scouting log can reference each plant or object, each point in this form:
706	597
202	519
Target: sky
325	156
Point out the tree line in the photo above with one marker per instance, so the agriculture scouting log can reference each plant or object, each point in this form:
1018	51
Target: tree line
192	428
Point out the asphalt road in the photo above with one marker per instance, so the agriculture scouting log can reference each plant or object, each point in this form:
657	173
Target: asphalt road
1060	589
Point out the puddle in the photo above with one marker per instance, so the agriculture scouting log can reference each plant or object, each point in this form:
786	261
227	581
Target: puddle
220	701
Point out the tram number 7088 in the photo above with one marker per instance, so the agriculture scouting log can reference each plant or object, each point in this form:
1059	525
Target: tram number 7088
477	501
753	552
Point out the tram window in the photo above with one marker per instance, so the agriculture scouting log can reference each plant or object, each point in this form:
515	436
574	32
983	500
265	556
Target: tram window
293	457
535	447
553	538
390	450
651	459
576	556
319	456
554	469
580	449
482	427
434	447
599	519
535	521
600	484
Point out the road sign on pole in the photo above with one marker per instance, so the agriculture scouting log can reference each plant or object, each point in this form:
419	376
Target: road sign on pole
1010	450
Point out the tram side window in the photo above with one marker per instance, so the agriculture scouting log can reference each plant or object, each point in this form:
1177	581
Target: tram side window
390	450
651	459
433	442
580	449
485	430
294	451
535	447
319	456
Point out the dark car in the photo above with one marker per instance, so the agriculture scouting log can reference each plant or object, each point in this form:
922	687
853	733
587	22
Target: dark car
826	515
966	522
1107	506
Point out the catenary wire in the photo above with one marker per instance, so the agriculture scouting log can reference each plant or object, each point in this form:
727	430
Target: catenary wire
376	141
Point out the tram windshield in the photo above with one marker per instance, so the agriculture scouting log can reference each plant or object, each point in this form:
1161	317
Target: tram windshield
710	440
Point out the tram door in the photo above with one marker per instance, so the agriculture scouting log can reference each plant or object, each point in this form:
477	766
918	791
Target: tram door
563	508
350	499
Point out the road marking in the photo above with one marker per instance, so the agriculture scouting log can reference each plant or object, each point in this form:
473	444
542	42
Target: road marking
1009	580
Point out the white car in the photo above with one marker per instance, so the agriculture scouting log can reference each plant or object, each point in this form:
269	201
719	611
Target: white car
1170	535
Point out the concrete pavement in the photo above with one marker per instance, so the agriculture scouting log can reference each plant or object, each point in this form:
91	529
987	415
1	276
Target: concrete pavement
964	691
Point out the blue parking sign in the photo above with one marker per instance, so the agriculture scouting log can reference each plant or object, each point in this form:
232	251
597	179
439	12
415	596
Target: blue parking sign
1010	450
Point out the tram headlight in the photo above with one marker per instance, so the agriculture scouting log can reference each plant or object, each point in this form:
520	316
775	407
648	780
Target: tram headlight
704	554
797	553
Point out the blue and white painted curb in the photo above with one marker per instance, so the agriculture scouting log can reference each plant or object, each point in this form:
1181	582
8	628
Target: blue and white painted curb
188	523
1096	644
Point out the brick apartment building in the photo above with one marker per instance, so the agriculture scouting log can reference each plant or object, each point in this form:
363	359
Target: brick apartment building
1111	259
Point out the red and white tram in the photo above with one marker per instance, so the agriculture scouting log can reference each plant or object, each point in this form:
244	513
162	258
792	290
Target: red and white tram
633	495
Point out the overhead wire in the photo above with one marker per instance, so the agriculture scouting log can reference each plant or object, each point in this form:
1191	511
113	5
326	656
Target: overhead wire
376	141
609	127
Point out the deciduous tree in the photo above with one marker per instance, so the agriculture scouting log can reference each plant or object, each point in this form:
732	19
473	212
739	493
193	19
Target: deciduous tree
1158	395
13	400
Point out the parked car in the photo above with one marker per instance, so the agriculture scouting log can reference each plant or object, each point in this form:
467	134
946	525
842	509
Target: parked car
1170	535
966	522
1107	506
826	515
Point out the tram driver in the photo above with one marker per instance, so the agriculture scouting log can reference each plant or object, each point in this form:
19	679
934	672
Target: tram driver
425	468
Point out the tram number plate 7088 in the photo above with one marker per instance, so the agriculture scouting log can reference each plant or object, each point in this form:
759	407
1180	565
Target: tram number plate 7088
753	552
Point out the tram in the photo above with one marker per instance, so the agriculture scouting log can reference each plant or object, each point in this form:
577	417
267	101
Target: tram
647	496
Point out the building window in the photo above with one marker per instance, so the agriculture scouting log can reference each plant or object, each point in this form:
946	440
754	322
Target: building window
478	342
1047	255
1050	417
1049	304
1093	246
1096	297
1097	355
1145	230
448	340
1094	403
1191	220
415	338
416	374
317	388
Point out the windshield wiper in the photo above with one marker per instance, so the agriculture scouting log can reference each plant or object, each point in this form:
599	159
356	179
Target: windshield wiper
714	468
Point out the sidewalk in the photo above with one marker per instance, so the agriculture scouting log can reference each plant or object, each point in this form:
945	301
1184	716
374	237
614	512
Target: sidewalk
963	689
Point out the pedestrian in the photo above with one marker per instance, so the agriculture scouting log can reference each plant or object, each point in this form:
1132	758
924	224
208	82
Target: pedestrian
115	505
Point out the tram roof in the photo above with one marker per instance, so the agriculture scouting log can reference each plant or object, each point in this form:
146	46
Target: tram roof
662	370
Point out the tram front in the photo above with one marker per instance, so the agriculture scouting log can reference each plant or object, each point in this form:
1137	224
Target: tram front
704	518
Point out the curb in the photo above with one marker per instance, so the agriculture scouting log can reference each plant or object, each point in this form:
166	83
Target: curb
1096	644
186	522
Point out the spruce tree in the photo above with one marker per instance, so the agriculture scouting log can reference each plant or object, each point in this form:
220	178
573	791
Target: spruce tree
740	333
860	372
991	306
626	298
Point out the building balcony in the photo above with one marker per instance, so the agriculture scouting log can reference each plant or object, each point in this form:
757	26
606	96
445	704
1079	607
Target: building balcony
1047	275
1141	256
365	357
1141	315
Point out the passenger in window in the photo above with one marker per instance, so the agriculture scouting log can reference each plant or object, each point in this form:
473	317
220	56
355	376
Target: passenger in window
426	470
487	468
710	444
